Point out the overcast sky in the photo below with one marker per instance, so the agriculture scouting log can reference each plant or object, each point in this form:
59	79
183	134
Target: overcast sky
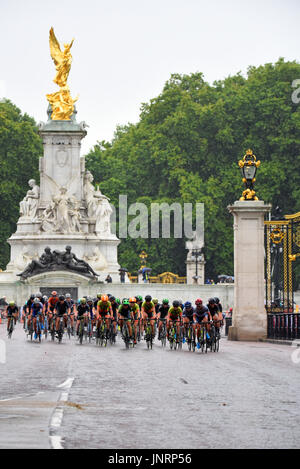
125	50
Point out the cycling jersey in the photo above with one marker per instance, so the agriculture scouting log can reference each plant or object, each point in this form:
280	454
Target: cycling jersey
61	308
115	308
163	310
125	312
91	308
135	309
213	309
201	313
52	302
82	309
148	308
11	310
188	313
175	313
36	308
71	305
104	307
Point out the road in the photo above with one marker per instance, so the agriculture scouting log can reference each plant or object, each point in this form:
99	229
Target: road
245	396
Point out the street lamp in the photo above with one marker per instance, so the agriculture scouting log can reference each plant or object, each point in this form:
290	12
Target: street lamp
196	254
248	166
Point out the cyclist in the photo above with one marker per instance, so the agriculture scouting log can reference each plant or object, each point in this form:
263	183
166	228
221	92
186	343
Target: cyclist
162	314
188	316
91	315
36	310
156	305
174	315
104	311
72	307
62	308
97	300
136	316
115	307
82	313
148	312
51	306
125	314
12	312
215	314
201	315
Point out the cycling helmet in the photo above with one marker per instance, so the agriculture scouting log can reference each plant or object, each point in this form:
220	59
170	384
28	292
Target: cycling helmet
45	298
132	300
139	298
148	298
82	301
217	300
39	295
112	298
68	295
125	302
211	301
32	297
187	304
54	293
155	301
36	300
11	303
198	302
89	299
61	298
165	301
99	295
176	304
118	301
104	298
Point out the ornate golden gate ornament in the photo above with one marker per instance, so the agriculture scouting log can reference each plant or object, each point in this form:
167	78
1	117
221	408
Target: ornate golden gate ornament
282	248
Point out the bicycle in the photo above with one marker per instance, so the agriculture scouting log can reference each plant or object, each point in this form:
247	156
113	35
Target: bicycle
61	329
210	341
102	333
125	334
190	337
81	330
46	326
148	334
38	327
69	329
162	335
11	328
175	341
30	329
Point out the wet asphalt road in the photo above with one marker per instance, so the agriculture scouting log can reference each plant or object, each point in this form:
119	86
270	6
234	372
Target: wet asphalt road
246	396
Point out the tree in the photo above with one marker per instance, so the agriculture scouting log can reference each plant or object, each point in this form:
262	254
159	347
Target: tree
186	146
20	148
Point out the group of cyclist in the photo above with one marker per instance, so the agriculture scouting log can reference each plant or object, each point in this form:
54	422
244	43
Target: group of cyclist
136	311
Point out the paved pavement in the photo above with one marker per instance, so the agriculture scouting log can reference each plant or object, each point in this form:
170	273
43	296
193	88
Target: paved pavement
246	396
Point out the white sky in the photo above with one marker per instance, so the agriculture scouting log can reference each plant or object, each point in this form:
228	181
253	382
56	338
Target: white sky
125	50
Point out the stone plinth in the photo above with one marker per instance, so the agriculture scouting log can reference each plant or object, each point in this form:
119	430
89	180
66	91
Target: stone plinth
249	320
66	209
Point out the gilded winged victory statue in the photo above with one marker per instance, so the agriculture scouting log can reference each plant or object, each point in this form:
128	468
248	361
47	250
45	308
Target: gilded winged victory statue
61	102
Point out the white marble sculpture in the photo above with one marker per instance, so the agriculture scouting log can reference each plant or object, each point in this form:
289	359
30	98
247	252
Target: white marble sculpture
98	205
29	205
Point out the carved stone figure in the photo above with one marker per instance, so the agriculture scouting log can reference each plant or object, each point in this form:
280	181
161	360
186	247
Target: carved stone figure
97	205
57	260
97	260
44	262
63	214
29	205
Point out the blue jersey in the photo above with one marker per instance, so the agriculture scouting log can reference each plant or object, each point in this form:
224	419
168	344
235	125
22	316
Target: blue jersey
188	313
36	308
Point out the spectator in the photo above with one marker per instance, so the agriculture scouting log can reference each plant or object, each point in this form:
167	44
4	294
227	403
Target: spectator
108	279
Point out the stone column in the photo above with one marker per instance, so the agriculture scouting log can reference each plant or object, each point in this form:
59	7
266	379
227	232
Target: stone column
249	320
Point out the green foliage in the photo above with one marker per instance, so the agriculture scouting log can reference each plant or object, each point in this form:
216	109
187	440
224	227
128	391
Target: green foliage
20	148
186	146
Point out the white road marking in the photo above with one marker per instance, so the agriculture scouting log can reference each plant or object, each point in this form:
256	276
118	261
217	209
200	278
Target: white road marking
20	397
57	417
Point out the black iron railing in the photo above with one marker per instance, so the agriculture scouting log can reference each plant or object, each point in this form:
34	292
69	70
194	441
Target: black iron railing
285	326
